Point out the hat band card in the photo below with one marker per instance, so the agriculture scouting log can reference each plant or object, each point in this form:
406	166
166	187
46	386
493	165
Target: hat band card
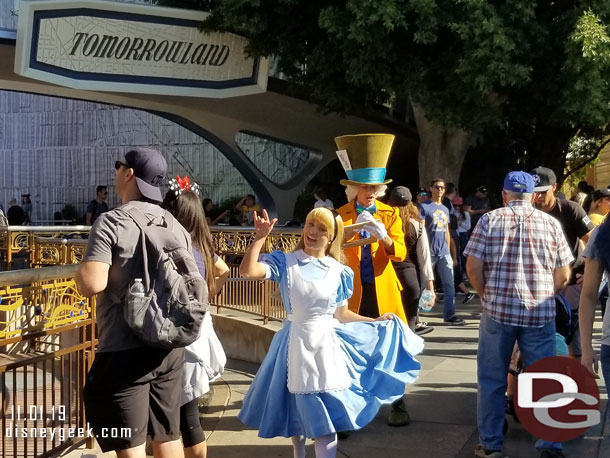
344	159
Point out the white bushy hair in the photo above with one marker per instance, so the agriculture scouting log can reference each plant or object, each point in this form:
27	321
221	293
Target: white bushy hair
351	191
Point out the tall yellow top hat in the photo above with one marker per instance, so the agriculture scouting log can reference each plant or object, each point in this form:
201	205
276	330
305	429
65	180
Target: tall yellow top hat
364	157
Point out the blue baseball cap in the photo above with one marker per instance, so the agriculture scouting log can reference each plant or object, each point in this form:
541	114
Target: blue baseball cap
149	167
519	182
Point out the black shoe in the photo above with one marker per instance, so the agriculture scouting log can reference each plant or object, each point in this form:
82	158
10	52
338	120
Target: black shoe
551	453
398	415
423	328
468	297
342	435
454	320
510	409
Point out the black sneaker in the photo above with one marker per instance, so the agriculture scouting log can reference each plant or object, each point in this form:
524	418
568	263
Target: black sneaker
423	328
454	320
468	297
510	409
342	435
551	453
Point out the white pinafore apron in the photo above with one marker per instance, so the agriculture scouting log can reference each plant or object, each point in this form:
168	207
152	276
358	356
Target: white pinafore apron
315	360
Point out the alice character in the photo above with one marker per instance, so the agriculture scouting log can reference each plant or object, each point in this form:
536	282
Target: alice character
328	369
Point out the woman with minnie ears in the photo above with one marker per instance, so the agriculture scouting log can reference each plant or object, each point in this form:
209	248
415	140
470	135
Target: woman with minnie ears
204	359
328	369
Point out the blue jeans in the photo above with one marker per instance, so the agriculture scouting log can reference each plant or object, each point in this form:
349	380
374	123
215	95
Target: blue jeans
605	360
444	267
496	342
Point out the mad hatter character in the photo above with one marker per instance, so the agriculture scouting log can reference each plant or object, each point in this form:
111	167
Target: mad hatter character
376	286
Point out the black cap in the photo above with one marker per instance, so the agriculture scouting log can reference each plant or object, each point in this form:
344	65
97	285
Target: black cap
482	189
423	192
150	168
601	193
544	178
400	196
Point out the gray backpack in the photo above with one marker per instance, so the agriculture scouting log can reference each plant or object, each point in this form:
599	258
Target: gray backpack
168	314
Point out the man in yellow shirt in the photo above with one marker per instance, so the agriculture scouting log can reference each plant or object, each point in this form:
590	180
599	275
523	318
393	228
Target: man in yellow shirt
247	206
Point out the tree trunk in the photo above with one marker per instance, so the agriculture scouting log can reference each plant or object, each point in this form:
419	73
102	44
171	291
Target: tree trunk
441	150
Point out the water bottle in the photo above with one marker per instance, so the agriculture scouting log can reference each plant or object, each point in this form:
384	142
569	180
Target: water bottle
137	303
426	301
137	289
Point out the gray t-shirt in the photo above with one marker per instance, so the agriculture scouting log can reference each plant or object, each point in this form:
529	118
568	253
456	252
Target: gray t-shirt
115	240
592	252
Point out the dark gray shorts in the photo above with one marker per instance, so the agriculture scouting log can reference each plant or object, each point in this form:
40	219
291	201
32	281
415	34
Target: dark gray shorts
133	393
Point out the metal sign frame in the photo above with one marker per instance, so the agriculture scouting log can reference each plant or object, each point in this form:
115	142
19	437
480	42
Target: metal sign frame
65	42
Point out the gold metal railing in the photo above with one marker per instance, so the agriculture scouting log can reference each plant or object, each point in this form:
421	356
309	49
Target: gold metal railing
47	329
42	246
47	344
38	245
59	245
257	297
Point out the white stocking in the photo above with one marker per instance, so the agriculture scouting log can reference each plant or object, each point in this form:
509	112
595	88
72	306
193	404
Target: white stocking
298	445
326	446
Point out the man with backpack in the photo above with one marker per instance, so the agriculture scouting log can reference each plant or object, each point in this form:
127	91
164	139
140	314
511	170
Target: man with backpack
577	228
135	379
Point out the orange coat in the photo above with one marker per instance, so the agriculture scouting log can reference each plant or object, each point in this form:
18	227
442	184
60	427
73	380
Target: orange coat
387	284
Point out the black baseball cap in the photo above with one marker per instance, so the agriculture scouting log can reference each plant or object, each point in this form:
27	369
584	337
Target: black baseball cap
423	192
482	189
400	196
149	167
601	193
544	178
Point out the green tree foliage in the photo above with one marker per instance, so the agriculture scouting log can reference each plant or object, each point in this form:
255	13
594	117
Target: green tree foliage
536	74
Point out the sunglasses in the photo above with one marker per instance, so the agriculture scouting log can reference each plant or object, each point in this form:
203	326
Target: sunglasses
118	164
438	187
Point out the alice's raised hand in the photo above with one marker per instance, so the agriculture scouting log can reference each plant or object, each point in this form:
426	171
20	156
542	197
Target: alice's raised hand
263	225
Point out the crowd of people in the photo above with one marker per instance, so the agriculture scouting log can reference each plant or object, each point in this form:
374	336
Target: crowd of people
351	289
15	214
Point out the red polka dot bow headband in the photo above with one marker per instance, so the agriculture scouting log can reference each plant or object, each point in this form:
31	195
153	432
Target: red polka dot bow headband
180	185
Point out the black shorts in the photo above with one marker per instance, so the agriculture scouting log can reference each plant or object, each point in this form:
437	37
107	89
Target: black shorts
132	393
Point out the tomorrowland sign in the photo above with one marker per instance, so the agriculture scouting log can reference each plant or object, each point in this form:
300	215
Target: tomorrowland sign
98	45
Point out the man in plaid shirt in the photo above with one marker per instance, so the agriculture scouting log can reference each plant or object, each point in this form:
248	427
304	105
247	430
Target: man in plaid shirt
517	259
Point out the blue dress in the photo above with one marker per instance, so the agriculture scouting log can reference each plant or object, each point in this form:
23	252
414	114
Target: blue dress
321	376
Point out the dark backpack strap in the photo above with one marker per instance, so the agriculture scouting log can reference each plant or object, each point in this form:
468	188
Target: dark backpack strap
143	221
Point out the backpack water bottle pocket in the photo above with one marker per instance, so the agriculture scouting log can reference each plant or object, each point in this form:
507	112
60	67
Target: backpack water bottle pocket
136	306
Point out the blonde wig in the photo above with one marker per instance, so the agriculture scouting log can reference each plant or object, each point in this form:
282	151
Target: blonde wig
333	225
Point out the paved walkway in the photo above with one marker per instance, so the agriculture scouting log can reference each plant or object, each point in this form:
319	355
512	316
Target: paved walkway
442	405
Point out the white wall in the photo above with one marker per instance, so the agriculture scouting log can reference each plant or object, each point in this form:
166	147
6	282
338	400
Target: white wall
59	150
